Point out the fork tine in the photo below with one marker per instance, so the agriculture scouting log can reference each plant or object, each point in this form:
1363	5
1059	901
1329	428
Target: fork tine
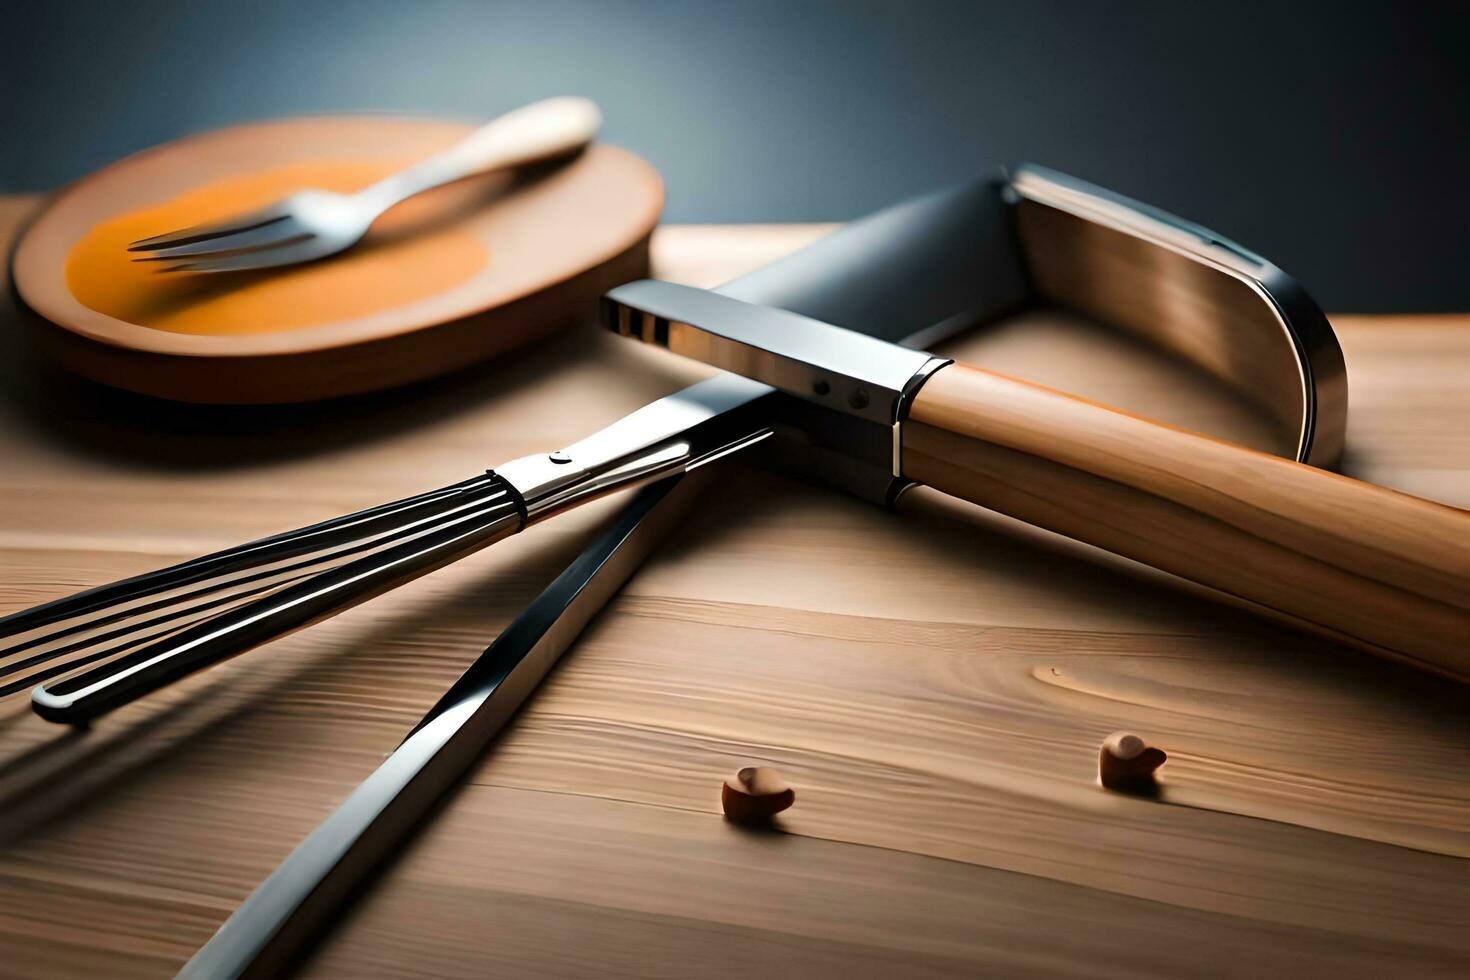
267	235
200	233
231	246
286	252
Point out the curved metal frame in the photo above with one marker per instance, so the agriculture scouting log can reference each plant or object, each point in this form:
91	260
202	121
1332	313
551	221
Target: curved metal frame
1319	403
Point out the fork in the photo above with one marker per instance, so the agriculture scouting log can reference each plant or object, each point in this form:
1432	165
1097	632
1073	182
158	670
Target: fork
312	224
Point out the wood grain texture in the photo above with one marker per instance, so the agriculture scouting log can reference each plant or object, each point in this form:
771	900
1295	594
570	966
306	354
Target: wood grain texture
1368	566
934	685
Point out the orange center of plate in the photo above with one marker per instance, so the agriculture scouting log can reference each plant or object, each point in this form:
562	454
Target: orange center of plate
414	252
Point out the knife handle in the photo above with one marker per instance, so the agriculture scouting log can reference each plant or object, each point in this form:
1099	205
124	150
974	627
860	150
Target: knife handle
1365	565
535	133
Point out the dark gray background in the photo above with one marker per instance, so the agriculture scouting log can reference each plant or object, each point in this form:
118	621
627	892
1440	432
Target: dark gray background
1335	139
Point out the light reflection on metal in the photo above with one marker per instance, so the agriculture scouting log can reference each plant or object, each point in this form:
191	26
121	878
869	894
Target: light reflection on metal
263	934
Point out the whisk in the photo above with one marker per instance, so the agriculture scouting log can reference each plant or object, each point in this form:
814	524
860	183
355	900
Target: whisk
99	649
114	643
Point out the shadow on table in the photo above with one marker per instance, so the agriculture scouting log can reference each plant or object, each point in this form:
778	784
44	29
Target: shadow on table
110	423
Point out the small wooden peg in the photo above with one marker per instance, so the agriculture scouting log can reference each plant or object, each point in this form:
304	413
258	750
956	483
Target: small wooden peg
755	794
1127	763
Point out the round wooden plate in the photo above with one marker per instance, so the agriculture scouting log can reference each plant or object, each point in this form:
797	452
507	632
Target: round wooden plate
445	279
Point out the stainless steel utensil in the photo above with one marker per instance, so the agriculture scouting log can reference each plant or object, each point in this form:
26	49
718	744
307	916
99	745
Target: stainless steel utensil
324	871
312	224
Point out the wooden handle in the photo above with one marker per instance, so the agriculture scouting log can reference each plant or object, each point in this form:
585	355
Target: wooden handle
540	131
1372	567
533	133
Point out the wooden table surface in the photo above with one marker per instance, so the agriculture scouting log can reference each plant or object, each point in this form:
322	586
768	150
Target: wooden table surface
935	684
